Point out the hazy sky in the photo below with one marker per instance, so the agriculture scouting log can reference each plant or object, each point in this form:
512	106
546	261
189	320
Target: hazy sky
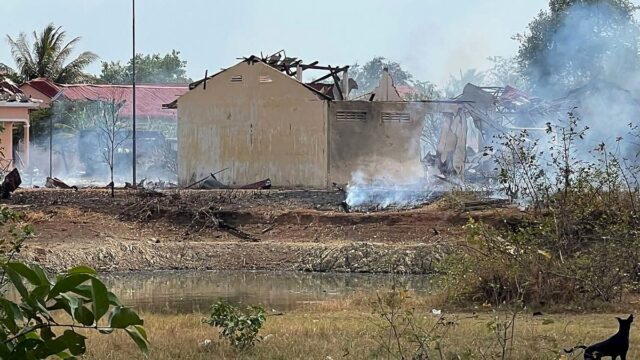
430	38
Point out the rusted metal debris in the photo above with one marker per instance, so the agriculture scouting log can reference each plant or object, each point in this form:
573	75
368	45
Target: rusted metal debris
212	176
211	182
11	182
55	183
260	185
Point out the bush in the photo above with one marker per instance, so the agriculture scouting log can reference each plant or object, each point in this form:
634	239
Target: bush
579	239
239	327
44	321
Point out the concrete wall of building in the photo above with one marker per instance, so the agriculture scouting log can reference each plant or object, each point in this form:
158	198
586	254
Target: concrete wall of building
6	143
376	139
257	122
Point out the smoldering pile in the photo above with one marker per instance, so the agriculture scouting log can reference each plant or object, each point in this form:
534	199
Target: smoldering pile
380	196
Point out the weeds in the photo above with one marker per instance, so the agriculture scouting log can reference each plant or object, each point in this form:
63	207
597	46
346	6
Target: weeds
239	327
579	241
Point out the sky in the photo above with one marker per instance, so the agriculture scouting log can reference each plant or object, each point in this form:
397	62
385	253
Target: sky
430	38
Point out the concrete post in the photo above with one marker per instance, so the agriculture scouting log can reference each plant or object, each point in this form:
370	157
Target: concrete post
26	143
345	84
299	73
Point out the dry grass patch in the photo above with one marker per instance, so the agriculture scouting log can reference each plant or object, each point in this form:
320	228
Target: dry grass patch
352	334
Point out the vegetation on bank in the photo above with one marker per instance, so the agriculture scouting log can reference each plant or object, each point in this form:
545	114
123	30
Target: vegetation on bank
46	319
578	242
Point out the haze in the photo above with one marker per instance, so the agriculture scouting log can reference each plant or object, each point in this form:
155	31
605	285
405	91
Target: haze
430	38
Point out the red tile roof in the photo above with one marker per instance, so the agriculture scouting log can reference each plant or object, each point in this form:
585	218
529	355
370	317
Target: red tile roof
45	86
149	97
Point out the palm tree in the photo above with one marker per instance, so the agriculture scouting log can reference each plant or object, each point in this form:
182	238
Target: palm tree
48	57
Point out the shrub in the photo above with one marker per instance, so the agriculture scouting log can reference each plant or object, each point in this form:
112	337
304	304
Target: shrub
239	327
44	321
579	239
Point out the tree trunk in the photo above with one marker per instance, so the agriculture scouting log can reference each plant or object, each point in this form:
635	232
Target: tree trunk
113	184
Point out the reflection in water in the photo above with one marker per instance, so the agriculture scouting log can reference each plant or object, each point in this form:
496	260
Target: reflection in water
183	292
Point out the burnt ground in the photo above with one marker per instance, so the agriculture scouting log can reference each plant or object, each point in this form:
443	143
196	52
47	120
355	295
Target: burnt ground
232	229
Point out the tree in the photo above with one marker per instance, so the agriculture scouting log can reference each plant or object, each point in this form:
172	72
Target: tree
44	319
152	68
505	71
423	90
456	85
112	130
576	41
368	75
47	57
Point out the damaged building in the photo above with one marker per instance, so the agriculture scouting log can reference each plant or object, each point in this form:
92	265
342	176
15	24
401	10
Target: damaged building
14	112
258	119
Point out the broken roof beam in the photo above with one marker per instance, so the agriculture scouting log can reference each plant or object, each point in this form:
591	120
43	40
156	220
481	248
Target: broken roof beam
336	81
333	71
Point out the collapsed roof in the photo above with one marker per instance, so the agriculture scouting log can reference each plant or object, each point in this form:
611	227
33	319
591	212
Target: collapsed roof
336	89
11	93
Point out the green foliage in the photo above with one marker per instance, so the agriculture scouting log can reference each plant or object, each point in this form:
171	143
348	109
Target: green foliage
47	57
153	68
368	75
423	90
45	320
50	311
576	41
576	244
505	71
239	327
456	84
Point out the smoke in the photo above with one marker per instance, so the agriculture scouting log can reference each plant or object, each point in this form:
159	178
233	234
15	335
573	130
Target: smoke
595	41
592	69
386	190
80	149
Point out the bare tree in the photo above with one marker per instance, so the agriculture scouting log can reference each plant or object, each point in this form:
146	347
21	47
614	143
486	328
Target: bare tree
113	131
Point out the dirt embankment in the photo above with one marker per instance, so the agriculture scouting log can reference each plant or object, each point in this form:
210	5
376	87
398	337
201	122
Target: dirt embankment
268	230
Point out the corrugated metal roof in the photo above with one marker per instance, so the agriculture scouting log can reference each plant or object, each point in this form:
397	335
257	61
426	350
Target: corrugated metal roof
149	98
45	86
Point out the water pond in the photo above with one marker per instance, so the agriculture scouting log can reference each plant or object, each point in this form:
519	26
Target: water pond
195	291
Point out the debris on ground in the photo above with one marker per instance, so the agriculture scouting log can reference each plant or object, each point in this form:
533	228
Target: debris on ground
259	185
55	183
209	218
211	176
485	204
11	182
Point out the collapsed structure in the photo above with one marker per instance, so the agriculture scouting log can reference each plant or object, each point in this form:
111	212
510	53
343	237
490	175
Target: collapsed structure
14	110
260	120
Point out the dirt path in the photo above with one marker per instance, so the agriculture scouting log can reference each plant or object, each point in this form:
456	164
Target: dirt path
269	230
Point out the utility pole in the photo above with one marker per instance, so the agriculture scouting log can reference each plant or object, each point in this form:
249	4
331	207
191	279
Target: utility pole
133	65
51	144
